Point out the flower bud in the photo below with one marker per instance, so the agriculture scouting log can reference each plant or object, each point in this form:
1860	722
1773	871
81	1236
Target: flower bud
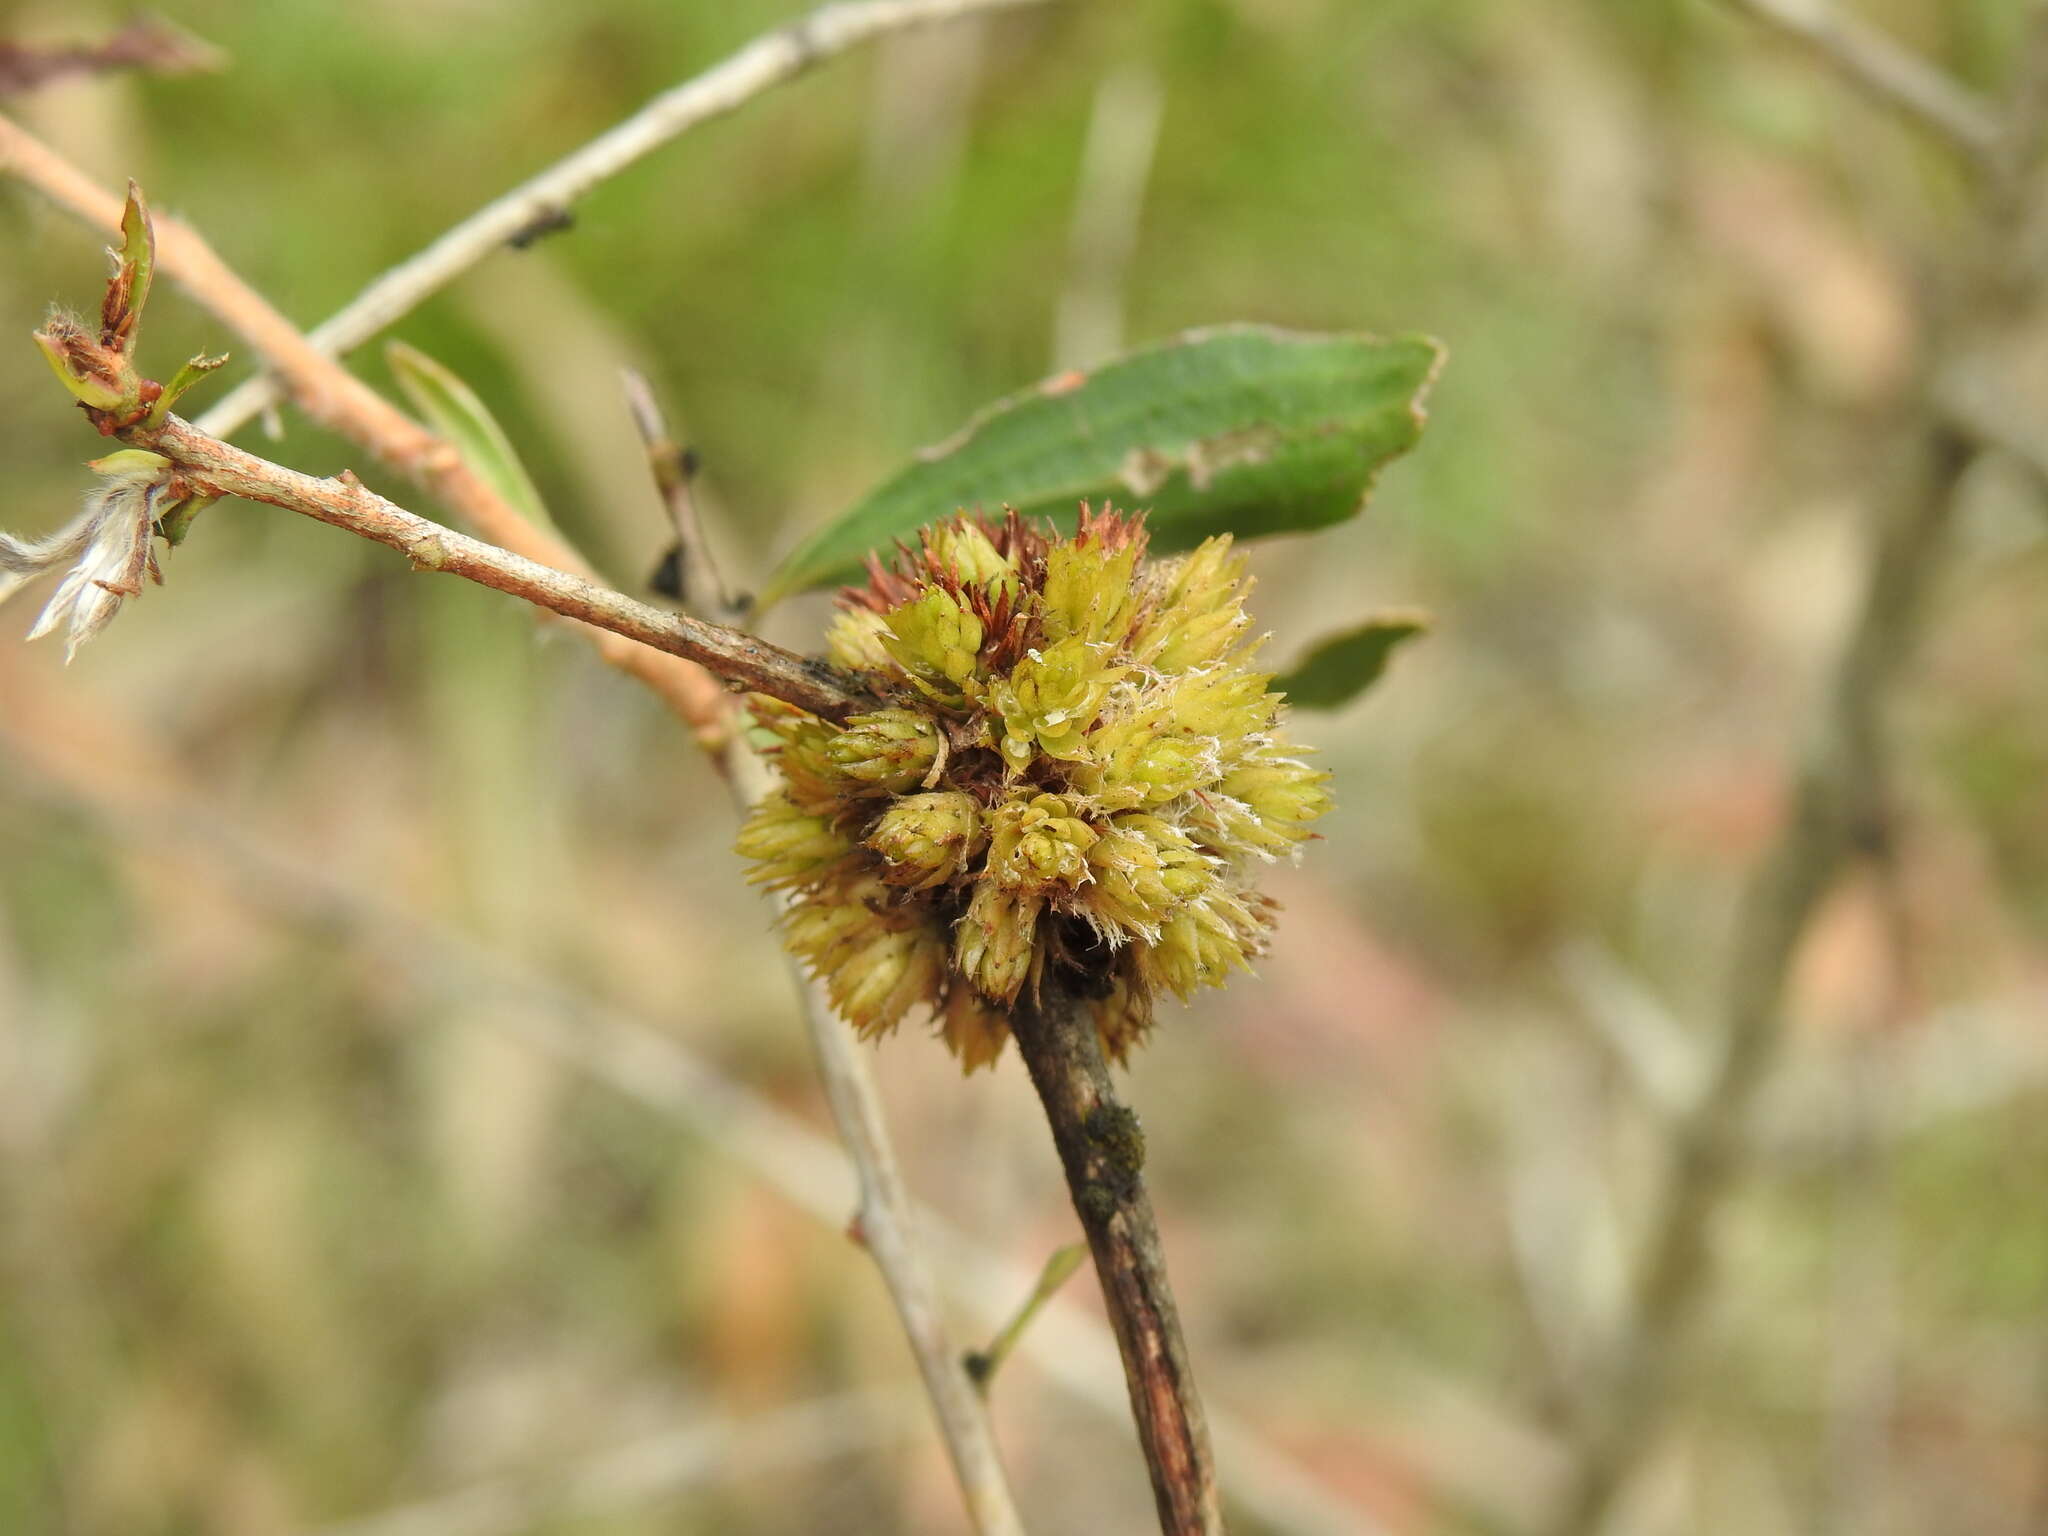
1228	704
890	749
963	550
891	973
1283	796
1088	594
802	755
934	639
788	845
1039	842
876	961
975	1032
854	639
1050	699
1199	616
992	946
1127	896
1146	760
1201	944
926	840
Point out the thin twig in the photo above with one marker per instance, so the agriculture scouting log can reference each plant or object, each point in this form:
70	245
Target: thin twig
345	502
1116	162
1896	77
885	1221
983	1364
1102	1151
699	583
146	43
768	61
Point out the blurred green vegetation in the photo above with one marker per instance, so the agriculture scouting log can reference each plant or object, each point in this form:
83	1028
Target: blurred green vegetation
293	1231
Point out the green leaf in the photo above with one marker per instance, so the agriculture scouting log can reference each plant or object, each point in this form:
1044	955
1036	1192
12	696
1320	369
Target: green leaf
1338	669
98	376
175	521
134	267
189	373
453	410
1240	429
982	1364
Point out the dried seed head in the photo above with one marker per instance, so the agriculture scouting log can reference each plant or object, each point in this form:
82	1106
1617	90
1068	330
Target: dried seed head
1075	779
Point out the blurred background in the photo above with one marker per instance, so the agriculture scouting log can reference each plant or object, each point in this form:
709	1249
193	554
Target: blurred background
326	1203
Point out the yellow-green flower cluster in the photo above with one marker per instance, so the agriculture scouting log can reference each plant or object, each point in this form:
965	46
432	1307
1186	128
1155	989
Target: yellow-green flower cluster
1073	779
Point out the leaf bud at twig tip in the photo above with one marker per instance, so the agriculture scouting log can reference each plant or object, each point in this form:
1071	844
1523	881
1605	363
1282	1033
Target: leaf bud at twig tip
96	375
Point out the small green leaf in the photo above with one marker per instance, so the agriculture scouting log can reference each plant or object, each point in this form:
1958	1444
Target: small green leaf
1338	669
135	266
453	410
175	521
1240	429
136	466
189	373
98	376
982	1364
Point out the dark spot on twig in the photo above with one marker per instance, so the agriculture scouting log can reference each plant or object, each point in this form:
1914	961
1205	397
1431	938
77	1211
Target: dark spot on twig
667	577
1095	1200
1116	1132
803	43
548	221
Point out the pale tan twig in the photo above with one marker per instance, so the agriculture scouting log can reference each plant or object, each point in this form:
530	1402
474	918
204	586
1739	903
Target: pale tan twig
700	584
1116	162
1896	77
344	502
886	1222
768	61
